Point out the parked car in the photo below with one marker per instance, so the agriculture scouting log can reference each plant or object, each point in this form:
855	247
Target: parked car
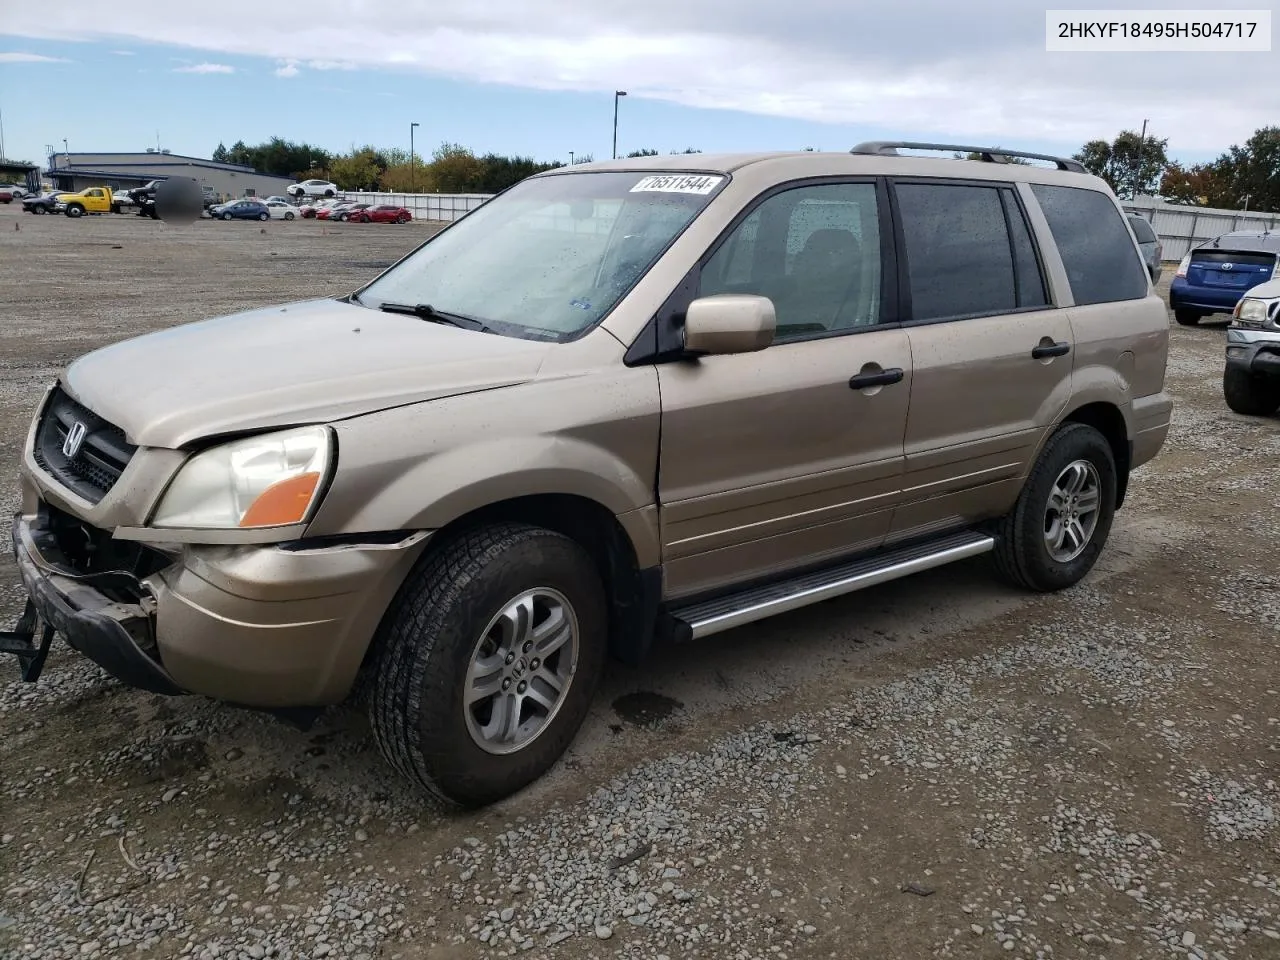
383	213
539	439
11	191
348	211
45	202
89	200
335	212
281	209
248	208
313	188
310	210
1150	245
281	200
1212	277
1251	378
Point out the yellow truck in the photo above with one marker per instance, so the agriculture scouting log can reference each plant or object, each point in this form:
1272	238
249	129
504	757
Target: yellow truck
89	200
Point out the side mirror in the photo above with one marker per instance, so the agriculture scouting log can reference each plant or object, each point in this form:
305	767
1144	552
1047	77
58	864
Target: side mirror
729	323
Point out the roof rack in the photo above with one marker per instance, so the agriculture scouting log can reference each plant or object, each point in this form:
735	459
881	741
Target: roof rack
889	148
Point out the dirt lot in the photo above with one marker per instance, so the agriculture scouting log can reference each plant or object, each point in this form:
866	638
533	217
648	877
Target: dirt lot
942	767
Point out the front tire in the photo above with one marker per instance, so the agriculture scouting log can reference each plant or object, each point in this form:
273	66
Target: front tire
226	216
1187	317
1059	525
487	662
75	211
1248	394
289	215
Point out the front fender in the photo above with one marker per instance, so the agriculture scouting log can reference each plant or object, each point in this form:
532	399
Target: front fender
423	466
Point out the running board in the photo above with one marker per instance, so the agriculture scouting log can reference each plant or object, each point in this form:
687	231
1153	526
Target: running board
702	619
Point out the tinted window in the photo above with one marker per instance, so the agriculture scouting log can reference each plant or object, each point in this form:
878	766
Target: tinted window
959	259
1026	264
1096	248
1142	230
814	251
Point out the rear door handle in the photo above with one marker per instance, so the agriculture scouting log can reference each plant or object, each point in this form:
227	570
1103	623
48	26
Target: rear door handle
1046	350
882	379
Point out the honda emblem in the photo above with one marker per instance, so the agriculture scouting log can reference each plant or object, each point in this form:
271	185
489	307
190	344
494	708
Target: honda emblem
75	438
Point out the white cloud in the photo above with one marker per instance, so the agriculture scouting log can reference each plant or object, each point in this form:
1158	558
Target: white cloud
288	69
205	68
20	57
123	53
918	68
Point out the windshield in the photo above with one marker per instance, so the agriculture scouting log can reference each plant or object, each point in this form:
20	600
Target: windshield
551	256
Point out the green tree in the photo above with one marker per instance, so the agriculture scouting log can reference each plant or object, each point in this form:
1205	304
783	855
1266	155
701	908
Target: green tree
357	170
1130	163
220	153
1252	172
454	169
642	153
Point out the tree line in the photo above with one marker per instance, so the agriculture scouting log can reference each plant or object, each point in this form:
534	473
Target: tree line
1244	176
1132	163
450	168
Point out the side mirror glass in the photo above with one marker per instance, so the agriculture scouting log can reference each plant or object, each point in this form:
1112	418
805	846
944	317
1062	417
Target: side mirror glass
729	323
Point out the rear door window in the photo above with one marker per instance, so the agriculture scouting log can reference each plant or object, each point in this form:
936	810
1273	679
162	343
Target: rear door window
1097	250
968	250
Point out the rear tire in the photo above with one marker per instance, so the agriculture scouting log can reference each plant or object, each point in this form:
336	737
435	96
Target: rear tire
1186	317
328	193
1249	394
264	216
288	215
1032	549
474	614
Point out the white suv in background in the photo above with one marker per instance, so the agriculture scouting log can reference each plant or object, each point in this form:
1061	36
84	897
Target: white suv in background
313	188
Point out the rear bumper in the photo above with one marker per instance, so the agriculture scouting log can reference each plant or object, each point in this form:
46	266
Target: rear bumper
1151	418
1254	351
264	626
1185	295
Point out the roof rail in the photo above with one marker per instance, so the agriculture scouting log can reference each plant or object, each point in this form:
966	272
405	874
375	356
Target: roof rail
889	148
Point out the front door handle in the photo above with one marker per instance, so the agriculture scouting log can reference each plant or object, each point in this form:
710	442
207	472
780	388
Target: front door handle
881	379
1046	350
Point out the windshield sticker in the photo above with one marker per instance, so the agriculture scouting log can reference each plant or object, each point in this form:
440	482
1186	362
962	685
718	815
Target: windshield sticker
680	183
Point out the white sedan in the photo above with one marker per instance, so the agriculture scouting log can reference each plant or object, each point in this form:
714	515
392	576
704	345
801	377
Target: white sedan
282	210
313	188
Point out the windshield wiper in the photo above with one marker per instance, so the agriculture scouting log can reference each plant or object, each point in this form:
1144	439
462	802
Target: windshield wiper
426	311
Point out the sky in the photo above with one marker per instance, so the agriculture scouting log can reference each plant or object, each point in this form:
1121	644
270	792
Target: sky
538	78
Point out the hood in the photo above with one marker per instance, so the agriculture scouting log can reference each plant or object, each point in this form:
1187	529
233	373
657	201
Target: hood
1264	291
307	362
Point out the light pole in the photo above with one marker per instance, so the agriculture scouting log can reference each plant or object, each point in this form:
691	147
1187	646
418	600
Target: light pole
413	172
1137	173
617	95
571	158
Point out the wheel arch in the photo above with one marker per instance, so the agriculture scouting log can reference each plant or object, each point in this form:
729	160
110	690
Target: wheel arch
1108	420
632	593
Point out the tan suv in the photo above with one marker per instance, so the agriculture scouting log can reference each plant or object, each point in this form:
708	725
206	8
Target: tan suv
622	403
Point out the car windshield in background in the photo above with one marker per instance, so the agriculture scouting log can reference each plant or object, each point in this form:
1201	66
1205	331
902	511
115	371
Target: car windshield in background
551	256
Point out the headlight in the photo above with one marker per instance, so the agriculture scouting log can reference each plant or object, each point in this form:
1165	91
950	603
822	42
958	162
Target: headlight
266	481
1252	312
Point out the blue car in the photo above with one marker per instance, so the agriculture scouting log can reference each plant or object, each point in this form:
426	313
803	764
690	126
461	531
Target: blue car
1215	275
241	210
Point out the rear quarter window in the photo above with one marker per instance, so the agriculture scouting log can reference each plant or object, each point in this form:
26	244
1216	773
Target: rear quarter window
1142	230
1095	244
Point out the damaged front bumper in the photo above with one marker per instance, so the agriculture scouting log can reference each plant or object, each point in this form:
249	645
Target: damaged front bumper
108	617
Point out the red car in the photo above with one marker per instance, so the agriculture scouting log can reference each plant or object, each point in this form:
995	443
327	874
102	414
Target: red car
382	213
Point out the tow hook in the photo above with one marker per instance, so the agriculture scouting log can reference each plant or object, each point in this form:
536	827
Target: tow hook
22	642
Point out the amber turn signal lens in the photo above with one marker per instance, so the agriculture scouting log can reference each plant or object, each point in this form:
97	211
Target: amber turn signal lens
282	503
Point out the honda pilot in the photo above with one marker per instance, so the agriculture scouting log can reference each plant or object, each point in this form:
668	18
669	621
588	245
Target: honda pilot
621	405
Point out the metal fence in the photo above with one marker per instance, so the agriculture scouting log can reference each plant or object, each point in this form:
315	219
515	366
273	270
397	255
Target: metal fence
425	206
1181	228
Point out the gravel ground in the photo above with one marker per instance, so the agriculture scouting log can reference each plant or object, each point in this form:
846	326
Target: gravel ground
940	767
